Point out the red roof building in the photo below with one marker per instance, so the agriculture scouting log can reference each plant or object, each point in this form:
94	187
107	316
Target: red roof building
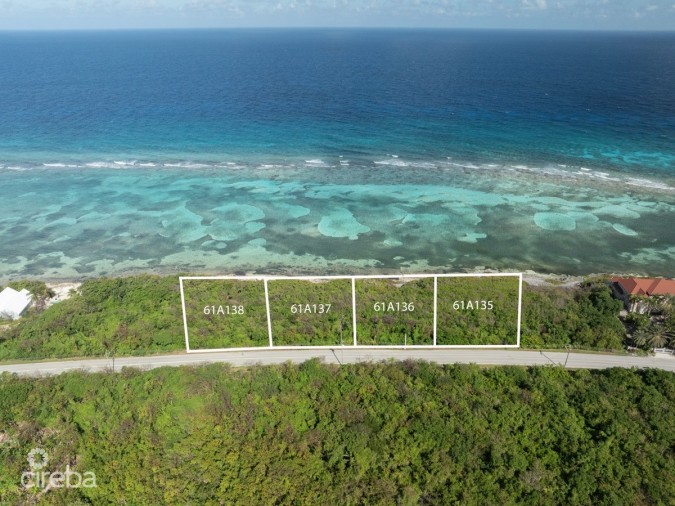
625	288
646	286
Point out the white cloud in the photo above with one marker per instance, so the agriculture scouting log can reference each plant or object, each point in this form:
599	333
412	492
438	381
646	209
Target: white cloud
658	14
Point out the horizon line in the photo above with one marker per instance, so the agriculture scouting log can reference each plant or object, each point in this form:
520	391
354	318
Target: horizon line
345	27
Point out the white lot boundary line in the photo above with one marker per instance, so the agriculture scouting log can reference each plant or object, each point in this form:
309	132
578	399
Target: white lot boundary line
363	276
269	313
435	308
353	279
520	307
356	343
185	325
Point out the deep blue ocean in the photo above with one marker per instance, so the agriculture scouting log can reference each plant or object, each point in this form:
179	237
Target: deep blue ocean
326	151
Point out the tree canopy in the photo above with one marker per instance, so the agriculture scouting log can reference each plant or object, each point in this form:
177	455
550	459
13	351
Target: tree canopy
387	433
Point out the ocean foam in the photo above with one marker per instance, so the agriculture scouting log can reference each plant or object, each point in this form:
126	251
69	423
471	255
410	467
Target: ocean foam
61	165
101	165
394	163
272	166
648	183
188	165
423	165
555	172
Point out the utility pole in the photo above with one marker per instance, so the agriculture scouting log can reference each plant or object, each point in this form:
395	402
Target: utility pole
549	358
569	348
110	355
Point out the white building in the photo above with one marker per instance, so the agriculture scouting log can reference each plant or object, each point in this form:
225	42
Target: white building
13	303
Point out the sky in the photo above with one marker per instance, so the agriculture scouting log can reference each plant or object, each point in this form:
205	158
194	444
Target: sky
527	14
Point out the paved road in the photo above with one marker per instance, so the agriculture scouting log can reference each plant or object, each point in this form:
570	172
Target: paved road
346	355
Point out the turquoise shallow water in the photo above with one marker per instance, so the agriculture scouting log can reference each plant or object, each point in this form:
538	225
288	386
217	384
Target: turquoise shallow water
320	218
336	151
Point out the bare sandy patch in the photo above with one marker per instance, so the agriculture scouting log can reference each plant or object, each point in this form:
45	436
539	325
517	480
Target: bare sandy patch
62	291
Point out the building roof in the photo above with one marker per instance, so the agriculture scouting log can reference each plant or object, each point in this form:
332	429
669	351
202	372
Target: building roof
647	286
13	303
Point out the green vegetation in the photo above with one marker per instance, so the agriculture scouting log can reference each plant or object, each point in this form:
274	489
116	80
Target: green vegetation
586	317
142	314
38	289
123	316
395	311
480	310
655	327
669	322
311	313
225	313
394	433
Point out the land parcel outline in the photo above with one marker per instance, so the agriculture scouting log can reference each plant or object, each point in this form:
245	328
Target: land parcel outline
478	311
222	313
395	311
311	312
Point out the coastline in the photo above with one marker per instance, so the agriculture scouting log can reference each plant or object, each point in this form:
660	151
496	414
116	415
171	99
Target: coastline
62	286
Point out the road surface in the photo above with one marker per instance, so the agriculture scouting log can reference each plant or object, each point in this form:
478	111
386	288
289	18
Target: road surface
346	355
